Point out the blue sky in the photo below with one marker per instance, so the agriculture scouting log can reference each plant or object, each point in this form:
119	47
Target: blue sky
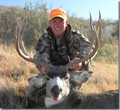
81	8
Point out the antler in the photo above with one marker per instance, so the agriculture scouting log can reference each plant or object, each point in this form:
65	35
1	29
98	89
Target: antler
98	26
94	36
19	44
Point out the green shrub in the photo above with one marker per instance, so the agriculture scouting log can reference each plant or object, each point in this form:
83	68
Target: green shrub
108	53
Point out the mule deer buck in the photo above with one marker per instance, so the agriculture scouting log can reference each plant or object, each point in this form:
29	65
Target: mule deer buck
58	79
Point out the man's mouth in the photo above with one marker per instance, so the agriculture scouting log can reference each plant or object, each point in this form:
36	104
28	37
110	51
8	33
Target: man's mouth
57	29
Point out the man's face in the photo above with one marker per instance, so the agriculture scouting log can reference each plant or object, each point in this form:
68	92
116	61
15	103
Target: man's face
58	26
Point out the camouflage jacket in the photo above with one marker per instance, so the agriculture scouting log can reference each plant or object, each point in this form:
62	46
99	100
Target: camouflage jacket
73	44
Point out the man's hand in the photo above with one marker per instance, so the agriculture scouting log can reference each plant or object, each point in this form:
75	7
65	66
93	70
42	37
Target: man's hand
43	70
76	67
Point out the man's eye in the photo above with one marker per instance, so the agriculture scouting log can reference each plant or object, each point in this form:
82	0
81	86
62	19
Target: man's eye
54	21
47	77
61	21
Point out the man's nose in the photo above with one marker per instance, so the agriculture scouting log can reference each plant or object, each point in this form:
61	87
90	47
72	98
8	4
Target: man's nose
57	24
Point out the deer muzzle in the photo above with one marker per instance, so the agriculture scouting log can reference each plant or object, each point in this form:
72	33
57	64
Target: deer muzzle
55	91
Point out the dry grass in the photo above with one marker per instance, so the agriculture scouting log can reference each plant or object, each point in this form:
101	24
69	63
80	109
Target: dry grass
15	72
105	77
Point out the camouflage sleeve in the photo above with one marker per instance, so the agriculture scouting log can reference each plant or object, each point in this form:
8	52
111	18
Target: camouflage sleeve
42	50
81	44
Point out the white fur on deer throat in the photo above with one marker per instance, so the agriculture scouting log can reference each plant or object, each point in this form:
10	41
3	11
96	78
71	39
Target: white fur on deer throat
49	102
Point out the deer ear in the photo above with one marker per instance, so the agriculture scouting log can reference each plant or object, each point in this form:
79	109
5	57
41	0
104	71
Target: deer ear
81	77
37	81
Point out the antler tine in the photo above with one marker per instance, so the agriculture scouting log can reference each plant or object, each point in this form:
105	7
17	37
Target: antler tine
91	26
93	37
21	53
69	59
98	26
21	43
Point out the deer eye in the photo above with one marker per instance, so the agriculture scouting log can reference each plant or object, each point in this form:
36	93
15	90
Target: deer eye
47	77
66	77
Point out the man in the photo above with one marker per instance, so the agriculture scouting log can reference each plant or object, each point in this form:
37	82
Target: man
57	44
60	42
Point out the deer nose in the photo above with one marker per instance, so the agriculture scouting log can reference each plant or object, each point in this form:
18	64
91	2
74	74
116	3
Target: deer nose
56	91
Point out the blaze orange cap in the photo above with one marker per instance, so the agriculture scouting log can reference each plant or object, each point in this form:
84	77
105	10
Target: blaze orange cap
57	13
